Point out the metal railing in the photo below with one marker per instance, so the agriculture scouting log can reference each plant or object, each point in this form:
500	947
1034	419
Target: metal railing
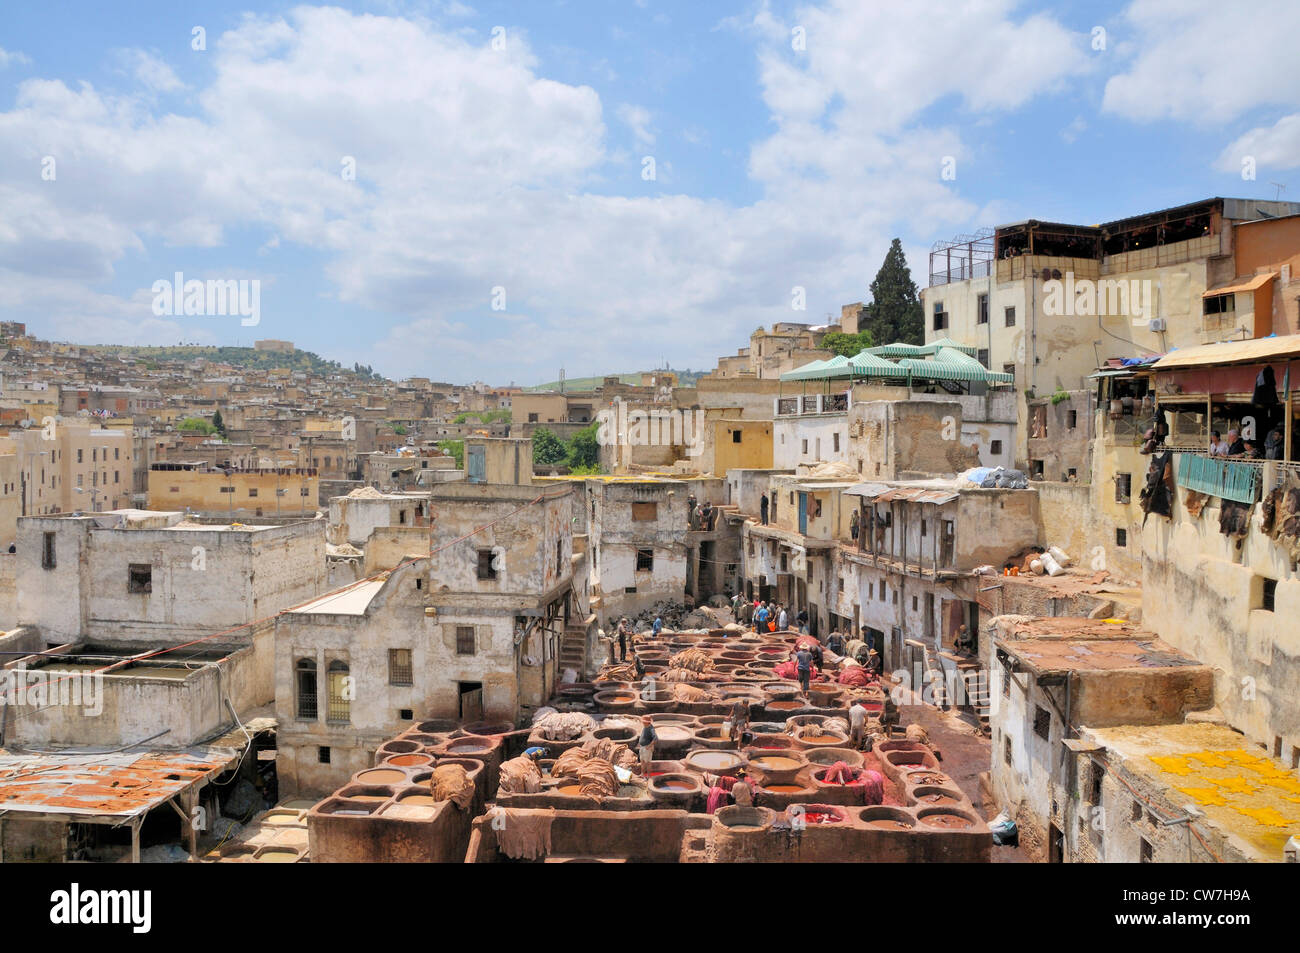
1239	480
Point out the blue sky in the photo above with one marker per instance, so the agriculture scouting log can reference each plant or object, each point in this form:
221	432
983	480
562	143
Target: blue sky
517	169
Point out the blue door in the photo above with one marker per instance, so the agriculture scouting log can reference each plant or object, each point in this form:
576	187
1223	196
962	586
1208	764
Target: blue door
477	464
803	513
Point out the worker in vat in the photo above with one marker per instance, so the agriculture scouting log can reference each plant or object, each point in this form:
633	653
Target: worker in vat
835	642
818	658
857	724
803	665
889	717
645	745
742	795
739	719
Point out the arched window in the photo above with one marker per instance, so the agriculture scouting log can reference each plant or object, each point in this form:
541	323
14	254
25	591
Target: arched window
305	675
340	692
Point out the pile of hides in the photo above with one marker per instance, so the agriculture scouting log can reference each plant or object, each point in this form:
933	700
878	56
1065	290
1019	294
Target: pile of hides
873	787
563	726
855	675
836	724
451	782
571	763
522	835
790	669
596	779
519	776
688	693
918	734
806	642
622	672
840	773
679	675
692	660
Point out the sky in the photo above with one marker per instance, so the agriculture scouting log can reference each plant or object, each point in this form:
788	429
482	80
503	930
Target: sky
497	191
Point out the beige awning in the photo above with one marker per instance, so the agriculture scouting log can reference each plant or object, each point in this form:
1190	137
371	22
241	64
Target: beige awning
1240	284
1232	352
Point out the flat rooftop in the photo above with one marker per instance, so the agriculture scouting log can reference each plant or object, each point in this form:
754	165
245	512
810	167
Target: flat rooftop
1097	655
1252	799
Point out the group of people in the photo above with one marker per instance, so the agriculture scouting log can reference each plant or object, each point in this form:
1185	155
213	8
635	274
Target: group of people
1238	446
763	616
699	515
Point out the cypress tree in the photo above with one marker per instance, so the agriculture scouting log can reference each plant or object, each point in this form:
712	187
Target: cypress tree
894	315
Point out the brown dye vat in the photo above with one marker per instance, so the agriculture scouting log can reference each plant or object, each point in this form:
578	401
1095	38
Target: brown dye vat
367	797
410	760
571	789
775	763
402	746
417	799
742	819
275	855
673	734
292	820
671	785
946	819
925	777
822	739
882	817
901	758
828	756
382	776
462	747
785	705
784	788
714	761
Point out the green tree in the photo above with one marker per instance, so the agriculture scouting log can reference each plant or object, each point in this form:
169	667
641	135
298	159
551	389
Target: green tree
218	424
584	449
548	449
197	423
894	315
847	344
456	448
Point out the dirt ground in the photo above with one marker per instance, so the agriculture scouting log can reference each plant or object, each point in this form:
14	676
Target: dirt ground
966	755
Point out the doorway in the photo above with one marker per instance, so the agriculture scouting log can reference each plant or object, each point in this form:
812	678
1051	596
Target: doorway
470	706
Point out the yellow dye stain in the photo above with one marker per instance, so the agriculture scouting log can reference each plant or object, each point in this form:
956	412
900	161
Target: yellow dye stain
1288	784
1243	757
1237	785
1174	764
1265	815
1210	759
1205	795
1268	769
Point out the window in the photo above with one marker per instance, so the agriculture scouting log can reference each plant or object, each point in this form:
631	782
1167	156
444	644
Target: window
1010	369
139	578
399	667
1146	850
914	604
486	568
1042	722
117	453
1071	475
735	436
1123	487
924	529
1095	774
645	512
1009	315
224	489
340	692
805	450
883	594
1268	592
304	492
1072	419
940	316
1135	812
995	447
323	755
464	640
405	714
116	475
252	491
532	418
47	551
982	309
79	453
80	478
1121	537
1219	304
401	517
1006	749
983	356
305	676
645	560
835	441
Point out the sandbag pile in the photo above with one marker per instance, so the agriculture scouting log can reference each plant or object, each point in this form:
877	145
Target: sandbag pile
563	726
519	776
451	782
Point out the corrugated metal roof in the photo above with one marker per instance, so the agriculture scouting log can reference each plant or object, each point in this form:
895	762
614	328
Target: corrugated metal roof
1231	352
917	494
1242	284
868	490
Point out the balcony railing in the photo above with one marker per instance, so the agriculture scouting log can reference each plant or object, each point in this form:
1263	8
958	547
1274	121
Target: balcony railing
1239	480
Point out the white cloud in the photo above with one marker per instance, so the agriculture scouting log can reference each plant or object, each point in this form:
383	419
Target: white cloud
1276	146
151	72
637	118
1185	66
474	171
12	58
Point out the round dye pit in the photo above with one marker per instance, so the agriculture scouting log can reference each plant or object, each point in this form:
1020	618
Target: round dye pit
417	799
276	855
946	819
885	818
784	788
771	763
786	705
569	789
742	820
819	738
822	816
410	760
382	776
717	762
287	820
935	796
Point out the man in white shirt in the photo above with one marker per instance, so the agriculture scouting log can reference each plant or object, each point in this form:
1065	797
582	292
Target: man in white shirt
1218	446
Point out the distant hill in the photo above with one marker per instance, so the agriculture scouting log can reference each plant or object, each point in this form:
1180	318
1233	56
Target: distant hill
245	357
684	378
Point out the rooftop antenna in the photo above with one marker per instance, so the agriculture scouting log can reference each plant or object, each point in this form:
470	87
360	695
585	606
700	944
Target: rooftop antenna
1280	189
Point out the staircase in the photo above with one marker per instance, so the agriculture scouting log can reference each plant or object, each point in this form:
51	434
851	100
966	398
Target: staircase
573	651
977	694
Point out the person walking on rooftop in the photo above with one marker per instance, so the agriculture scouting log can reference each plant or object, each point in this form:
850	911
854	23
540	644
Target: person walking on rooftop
762	509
